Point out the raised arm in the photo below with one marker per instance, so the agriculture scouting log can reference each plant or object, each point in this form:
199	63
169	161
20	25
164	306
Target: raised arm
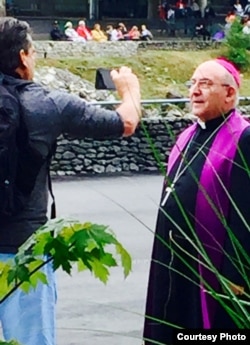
128	88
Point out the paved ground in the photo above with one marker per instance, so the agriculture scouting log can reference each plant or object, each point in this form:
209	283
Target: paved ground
89	312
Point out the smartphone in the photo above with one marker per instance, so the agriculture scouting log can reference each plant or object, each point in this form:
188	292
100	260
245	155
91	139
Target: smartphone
103	80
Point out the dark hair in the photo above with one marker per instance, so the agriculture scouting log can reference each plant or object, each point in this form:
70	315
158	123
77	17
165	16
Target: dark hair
13	38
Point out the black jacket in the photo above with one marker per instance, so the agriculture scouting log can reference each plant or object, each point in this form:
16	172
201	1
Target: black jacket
46	116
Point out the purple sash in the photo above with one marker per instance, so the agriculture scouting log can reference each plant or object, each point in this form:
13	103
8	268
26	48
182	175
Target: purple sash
212	200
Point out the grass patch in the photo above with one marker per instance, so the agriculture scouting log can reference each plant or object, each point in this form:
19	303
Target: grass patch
157	70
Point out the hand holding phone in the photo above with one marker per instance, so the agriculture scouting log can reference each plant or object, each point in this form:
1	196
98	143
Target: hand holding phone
126	82
128	88
103	80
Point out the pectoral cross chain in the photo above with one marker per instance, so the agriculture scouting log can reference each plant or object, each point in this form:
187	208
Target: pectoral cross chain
168	191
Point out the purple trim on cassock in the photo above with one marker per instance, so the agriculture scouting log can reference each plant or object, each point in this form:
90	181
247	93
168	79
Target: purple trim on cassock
212	199
180	145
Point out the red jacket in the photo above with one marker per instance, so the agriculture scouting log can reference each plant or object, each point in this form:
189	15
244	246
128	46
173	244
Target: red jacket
84	32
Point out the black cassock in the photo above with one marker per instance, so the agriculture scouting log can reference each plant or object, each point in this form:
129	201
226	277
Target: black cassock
174	289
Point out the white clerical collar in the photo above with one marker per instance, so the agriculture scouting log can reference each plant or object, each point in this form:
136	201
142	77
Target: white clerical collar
201	123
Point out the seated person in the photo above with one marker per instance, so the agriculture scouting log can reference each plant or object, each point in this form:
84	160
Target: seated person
237	7
180	9
97	34
83	31
246	28
180	5
201	30
71	33
113	34
121	37
134	34
247	9
55	33
123	32
146	35
171	14
123	28
230	18
209	14
161	12
195	9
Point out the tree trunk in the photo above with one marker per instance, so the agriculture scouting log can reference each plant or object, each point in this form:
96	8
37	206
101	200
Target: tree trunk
2	8
152	9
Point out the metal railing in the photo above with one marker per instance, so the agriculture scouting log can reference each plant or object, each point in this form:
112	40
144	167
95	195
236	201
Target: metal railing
158	101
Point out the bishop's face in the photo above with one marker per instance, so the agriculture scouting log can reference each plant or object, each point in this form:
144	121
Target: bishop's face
209	92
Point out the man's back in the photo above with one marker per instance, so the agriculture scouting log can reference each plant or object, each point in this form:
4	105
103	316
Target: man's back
55	114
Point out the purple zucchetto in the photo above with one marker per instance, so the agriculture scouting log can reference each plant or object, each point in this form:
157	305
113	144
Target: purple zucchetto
230	68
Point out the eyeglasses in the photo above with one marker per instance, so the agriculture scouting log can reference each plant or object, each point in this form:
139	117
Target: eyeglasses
202	84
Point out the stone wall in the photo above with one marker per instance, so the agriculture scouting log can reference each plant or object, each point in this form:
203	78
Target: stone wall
75	49
62	49
134	154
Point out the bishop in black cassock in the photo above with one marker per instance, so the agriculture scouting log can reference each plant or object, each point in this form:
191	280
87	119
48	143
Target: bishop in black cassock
205	207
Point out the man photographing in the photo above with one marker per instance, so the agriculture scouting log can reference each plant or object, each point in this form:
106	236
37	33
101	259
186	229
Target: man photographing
44	116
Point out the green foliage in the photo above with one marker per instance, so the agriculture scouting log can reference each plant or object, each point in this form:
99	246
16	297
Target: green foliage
237	45
64	242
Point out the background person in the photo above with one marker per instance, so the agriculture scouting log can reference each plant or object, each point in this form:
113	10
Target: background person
238	8
205	203
71	33
247	9
83	31
97	34
113	34
146	34
246	27
55	33
134	33
123	28
196	9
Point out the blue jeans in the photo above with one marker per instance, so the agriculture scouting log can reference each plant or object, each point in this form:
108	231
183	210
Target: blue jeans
30	318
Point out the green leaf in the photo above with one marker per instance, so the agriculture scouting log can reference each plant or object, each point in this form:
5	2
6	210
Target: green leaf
66	243
35	263
37	277
4	273
11	276
42	241
79	226
100	271
125	259
86	259
42	277
91	244
66	266
80	240
81	266
67	232
108	260
12	342
101	236
22	273
26	287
